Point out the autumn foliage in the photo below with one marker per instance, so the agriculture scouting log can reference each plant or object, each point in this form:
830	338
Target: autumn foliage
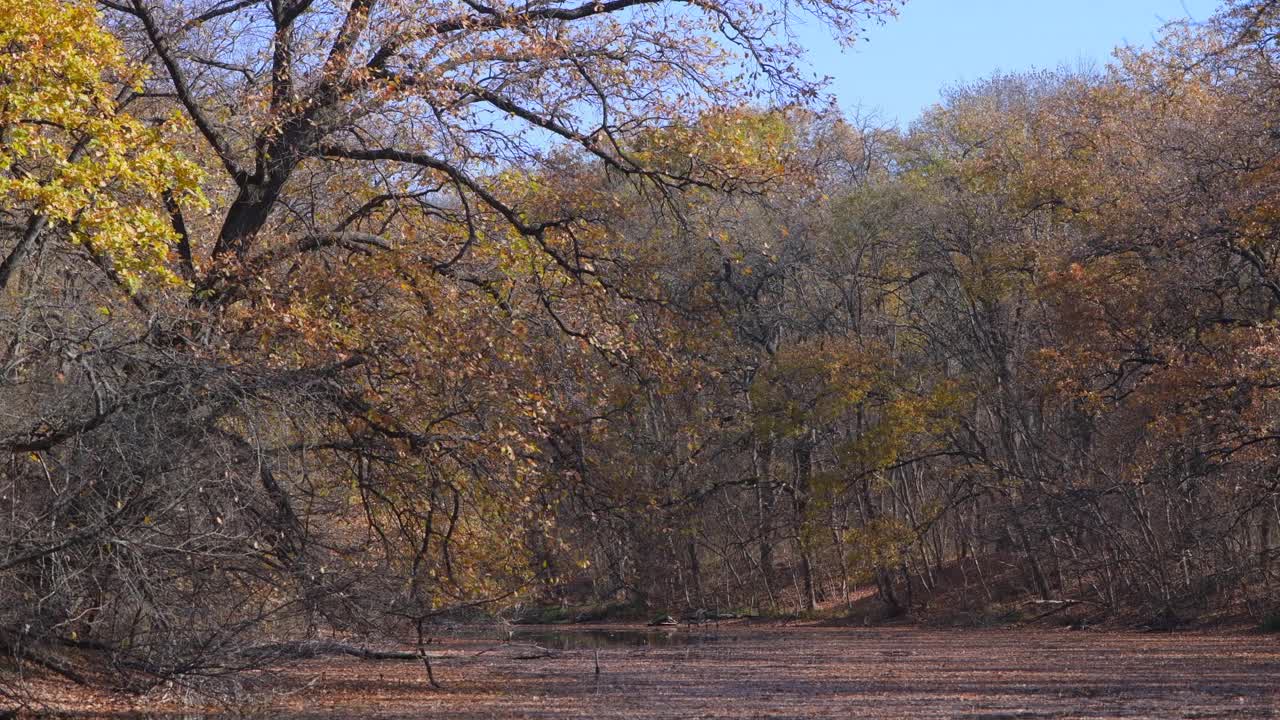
347	319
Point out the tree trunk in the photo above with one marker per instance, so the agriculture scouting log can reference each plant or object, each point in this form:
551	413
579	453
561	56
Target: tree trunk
800	499
763	458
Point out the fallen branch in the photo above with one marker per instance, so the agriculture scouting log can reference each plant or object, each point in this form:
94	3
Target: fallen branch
538	652
1056	606
317	648
525	651
27	654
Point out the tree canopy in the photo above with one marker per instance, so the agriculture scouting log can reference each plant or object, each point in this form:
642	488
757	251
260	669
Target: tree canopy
355	317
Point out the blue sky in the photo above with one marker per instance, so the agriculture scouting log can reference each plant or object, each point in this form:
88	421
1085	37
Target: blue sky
934	44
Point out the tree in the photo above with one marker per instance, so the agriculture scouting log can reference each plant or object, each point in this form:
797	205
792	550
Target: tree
426	100
74	162
324	398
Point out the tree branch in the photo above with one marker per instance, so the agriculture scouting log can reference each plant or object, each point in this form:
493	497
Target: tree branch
185	96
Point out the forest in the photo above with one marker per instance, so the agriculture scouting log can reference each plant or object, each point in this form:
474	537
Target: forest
352	318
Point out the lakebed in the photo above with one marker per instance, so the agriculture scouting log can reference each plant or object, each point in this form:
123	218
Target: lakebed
755	671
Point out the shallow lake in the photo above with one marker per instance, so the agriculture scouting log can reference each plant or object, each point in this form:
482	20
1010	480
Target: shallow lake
590	638
785	672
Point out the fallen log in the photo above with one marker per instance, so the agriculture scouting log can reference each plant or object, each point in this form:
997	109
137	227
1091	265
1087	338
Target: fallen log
27	653
1056	606
306	649
519	651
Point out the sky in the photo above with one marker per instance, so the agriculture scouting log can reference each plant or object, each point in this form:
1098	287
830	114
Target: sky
901	67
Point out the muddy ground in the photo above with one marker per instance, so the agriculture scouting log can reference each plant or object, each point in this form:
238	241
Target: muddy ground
807	672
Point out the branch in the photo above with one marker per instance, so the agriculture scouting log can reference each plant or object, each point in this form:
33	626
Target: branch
491	20
432	163
354	241
353	25
347	239
176	76
317	648
184	236
535	231
216	12
50	439
35	225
